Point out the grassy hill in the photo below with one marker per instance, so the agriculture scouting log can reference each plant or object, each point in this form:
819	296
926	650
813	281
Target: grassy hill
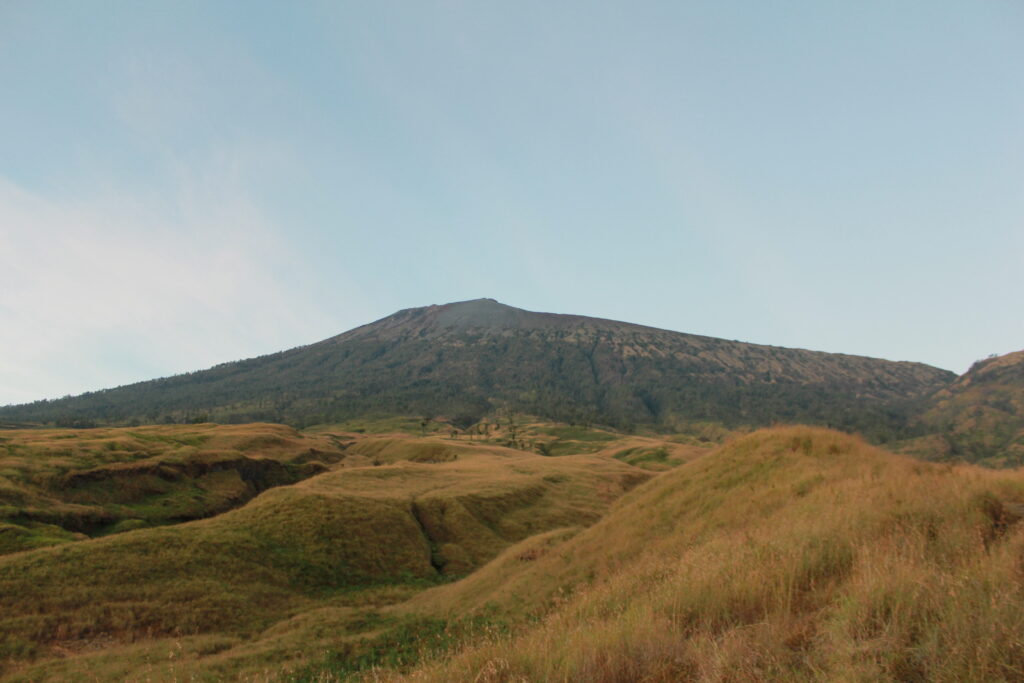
396	515
471	359
979	417
789	554
58	486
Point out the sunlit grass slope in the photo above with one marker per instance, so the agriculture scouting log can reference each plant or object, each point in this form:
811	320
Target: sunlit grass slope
58	485
268	579
789	554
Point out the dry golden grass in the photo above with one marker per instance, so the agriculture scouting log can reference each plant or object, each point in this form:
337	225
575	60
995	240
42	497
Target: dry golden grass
789	554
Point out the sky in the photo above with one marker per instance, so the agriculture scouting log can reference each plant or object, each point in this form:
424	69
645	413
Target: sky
188	183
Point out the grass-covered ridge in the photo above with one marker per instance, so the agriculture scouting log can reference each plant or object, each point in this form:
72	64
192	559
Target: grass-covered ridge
788	554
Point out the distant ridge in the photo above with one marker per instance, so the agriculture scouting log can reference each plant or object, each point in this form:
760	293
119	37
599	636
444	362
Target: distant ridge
466	359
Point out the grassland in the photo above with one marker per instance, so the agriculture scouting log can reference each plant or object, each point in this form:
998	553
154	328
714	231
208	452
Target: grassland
64	485
791	553
653	452
300	570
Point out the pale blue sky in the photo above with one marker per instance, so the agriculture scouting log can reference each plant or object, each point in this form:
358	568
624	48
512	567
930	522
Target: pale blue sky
187	183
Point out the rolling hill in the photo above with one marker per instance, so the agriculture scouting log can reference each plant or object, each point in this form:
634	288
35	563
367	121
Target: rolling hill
979	417
790	553
58	486
469	359
389	517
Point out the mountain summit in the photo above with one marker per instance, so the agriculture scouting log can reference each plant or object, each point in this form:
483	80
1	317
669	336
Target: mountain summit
466	359
485	316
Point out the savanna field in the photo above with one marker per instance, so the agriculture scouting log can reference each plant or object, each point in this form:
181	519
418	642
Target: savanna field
409	550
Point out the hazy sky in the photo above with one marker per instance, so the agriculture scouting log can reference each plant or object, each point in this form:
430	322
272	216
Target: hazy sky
188	183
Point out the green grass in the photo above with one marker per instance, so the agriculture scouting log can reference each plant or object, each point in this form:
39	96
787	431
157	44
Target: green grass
577	433
401	644
17	537
383	450
413	426
235	574
643	456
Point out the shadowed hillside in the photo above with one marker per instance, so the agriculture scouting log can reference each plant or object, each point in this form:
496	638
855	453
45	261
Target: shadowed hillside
468	359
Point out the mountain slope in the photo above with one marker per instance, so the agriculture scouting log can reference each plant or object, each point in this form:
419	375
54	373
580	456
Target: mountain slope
466	359
980	416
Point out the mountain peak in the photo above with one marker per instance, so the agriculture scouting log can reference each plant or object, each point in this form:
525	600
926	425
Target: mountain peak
484	315
479	313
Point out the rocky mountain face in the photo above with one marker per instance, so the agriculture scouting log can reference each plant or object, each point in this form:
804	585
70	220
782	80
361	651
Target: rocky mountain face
467	359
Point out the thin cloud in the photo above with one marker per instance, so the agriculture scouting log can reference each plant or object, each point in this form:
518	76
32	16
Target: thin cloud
124	289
